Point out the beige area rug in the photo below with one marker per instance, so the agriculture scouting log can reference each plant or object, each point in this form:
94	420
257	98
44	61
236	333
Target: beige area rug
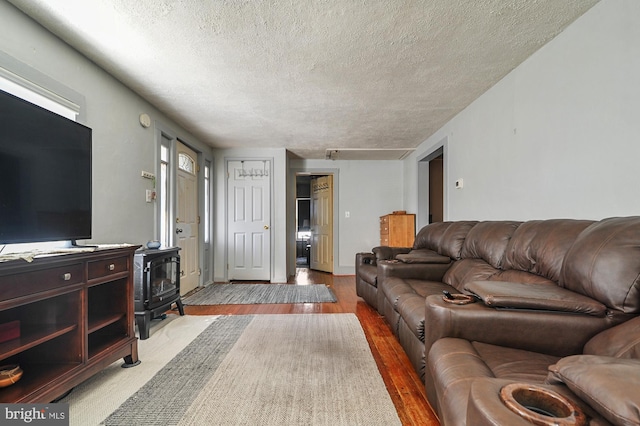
244	370
94	399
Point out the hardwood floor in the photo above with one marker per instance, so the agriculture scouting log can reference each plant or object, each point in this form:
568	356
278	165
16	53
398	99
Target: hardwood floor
403	384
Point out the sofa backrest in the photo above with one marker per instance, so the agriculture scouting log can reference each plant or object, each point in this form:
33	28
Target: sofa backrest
429	236
481	254
453	238
604	263
488	241
620	341
539	246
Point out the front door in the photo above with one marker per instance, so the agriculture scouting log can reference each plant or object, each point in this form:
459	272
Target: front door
187	218
322	223
249	220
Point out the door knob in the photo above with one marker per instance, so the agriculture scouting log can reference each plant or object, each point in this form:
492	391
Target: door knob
178	230
266	227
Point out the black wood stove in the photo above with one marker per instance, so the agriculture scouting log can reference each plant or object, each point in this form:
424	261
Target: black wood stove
156	277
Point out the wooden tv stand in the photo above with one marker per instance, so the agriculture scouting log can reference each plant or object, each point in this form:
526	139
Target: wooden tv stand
75	314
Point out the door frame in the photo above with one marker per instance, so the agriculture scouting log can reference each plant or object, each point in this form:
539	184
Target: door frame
422	214
164	132
175	168
291	237
269	160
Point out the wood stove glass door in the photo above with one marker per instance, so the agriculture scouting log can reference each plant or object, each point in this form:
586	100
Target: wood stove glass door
163	279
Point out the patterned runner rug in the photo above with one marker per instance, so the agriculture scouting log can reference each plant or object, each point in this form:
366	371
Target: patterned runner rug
249	294
313	369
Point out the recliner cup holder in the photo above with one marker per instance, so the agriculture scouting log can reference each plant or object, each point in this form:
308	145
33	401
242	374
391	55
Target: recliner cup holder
541	406
459	299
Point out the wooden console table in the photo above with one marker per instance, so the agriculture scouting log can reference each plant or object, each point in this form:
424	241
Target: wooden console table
75	314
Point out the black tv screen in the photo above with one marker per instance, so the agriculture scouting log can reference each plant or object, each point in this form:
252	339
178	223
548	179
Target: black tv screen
45	174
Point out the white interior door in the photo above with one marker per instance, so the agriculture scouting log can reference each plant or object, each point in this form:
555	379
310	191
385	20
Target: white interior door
322	224
249	220
187	218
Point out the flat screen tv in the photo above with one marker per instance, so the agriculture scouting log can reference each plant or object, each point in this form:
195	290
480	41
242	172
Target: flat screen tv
45	175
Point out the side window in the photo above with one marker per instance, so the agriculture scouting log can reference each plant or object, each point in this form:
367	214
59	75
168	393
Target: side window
207	200
163	194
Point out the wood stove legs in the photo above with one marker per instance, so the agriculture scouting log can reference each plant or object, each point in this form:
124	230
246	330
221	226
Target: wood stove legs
180	307
143	319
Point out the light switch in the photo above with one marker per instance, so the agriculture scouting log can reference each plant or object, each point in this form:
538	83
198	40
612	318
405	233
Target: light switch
347	214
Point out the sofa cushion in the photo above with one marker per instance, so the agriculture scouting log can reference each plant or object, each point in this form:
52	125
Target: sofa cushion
488	241
423	256
514	364
411	306
604	264
548	297
429	236
609	385
466	270
452	366
539	246
453	238
395	287
621	341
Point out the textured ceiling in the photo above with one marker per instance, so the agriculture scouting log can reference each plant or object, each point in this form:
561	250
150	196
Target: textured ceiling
308	75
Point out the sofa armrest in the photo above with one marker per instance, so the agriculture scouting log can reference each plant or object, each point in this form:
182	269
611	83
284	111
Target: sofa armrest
553	333
365	259
418	271
485	408
549	297
422	256
389	253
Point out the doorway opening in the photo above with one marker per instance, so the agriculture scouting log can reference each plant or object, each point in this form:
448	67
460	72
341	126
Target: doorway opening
436	185
314	221
303	221
432	187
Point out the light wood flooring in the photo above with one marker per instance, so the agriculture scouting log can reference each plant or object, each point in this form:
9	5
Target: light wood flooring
403	384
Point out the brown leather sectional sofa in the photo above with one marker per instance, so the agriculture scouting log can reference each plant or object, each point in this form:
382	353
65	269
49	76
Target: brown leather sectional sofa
542	290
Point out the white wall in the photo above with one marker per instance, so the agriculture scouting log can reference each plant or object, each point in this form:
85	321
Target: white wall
121	147
557	137
367	190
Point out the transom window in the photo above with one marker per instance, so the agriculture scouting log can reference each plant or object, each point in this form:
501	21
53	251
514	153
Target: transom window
186	163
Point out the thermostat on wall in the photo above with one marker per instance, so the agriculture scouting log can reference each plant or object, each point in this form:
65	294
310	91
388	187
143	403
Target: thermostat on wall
145	120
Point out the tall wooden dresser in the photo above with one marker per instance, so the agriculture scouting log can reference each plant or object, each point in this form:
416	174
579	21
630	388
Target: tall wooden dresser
397	229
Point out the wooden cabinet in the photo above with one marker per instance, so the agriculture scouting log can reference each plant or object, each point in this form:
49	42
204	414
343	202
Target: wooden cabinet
397	230
75	314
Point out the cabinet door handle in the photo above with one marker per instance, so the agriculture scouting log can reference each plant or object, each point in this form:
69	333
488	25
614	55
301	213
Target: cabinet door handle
111	267
66	276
